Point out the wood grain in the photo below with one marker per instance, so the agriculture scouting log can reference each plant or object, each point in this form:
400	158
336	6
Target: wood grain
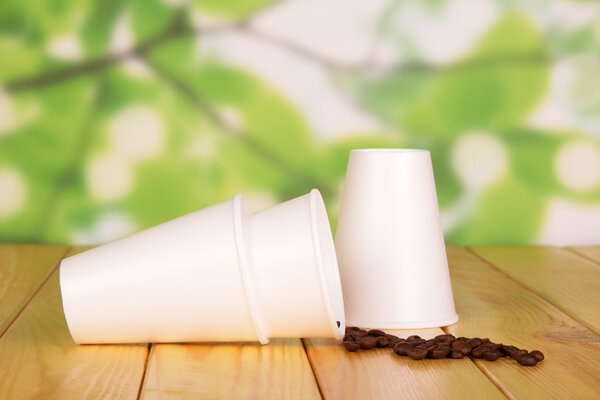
565	279
23	269
381	374
591	252
39	360
279	370
491	304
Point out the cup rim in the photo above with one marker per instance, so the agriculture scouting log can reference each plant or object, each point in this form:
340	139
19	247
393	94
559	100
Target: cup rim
324	243
241	213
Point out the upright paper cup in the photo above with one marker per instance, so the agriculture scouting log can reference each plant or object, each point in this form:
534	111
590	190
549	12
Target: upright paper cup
296	275
390	244
181	281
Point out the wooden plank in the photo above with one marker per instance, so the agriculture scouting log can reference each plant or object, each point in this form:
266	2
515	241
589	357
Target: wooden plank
23	270
565	279
381	374
491	304
591	252
38	358
279	370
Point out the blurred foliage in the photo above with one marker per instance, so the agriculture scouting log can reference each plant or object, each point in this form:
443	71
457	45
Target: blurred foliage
118	115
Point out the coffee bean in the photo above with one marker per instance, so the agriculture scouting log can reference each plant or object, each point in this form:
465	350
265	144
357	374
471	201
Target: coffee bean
401	348
358	334
445	345
462	346
537	354
443	338
383	341
518	353
527	360
367	342
478	352
439	352
416	342
491	355
394	339
455	353
486	347
508	350
351	346
417	354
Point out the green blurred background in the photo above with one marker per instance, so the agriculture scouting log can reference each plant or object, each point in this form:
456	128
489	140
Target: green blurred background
118	115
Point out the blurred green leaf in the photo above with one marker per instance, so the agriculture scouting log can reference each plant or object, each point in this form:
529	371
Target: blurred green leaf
23	225
231	8
497	86
97	29
167	188
269	140
45	146
533	159
150	17
508	212
18	59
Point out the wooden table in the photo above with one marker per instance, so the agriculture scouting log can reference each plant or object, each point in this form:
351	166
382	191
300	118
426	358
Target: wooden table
545	298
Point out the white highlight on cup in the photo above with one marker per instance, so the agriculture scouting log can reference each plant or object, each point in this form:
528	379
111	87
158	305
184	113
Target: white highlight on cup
218	274
390	244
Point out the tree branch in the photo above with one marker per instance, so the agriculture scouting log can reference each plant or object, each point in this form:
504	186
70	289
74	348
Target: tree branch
245	138
92	66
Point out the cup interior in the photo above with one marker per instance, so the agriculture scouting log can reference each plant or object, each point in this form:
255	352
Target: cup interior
331	286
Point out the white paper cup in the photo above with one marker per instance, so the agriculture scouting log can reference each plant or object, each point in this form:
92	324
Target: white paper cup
296	276
390	244
218	274
181	281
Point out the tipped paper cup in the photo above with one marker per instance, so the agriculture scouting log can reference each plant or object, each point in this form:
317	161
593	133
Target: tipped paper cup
296	275
218	274
181	281
390	244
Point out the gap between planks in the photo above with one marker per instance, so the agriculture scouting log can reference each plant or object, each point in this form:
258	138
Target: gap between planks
582	255
381	374
532	290
490	300
35	291
143	380
53	366
312	368
491	377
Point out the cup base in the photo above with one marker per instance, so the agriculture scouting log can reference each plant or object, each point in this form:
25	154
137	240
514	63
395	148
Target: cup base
403	325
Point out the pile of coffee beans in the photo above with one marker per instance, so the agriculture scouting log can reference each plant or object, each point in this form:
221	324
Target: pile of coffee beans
441	346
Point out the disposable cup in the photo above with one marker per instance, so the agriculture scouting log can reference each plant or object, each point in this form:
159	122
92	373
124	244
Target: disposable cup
296	276
216	275
180	281
390	244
